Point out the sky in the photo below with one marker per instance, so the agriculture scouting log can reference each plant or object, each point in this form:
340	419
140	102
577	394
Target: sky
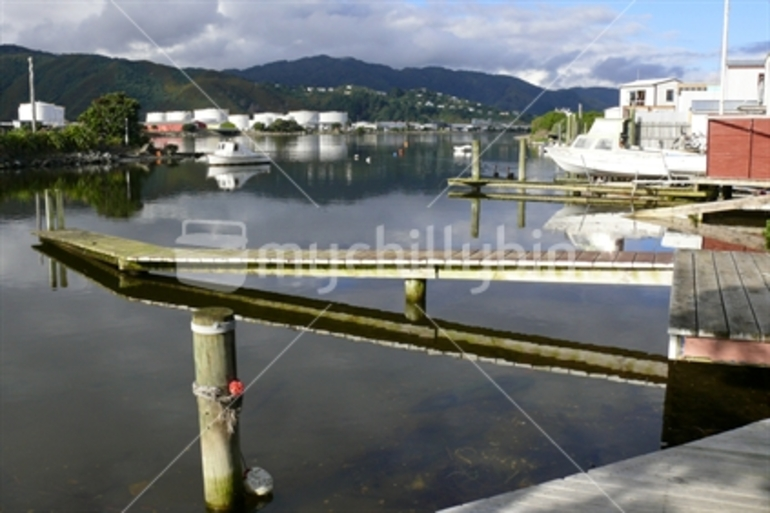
555	44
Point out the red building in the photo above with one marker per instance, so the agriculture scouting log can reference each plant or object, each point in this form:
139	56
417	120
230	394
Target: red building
739	147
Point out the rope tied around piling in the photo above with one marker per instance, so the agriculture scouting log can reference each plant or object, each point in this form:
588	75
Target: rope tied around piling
223	396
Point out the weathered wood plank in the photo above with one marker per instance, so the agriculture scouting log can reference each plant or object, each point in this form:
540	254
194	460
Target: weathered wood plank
740	318
721	473
762	260
683	318
708	300
757	289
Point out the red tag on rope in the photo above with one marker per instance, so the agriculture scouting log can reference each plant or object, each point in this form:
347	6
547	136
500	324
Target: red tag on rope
235	387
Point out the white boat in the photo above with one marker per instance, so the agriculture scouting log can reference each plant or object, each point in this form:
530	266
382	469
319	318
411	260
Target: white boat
234	153
230	178
599	153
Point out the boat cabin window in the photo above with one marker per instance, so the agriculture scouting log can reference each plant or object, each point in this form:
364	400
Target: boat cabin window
582	142
235	147
603	144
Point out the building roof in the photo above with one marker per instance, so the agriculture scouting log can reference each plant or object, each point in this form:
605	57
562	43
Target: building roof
746	63
649	82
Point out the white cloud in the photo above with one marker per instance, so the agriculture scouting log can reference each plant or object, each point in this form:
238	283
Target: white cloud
536	41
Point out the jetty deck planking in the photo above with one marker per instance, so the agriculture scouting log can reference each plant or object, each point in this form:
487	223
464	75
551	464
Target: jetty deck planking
721	295
725	472
502	264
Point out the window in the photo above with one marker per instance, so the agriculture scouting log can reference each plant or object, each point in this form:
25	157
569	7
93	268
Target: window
669	95
603	144
582	142
636	98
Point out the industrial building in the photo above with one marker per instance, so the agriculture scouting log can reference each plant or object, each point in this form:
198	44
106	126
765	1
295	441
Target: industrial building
46	114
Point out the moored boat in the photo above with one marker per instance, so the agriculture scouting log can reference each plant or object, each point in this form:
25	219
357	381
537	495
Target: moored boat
233	153
599	153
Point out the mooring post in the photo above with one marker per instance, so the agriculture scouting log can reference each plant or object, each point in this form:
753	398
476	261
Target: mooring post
52	278
522	160
217	389
59	209
476	159
49	218
414	306
38	219
63	282
522	214
475	217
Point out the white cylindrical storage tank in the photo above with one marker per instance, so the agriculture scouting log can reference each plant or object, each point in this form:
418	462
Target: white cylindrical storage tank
211	115
179	116
332	117
156	117
266	118
304	117
241	121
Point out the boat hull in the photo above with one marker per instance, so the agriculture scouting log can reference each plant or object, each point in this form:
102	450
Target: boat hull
628	163
237	160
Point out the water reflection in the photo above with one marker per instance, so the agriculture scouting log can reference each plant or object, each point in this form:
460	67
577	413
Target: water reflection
232	178
592	230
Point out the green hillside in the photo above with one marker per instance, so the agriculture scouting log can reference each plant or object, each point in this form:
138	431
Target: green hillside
75	80
365	91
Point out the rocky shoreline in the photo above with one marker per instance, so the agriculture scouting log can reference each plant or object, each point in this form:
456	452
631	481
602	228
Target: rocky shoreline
99	159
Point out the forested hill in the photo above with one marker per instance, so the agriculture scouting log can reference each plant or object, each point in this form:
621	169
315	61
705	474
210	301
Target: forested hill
500	91
75	80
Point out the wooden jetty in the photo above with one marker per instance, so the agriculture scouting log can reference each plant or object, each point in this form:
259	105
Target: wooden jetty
725	472
720	307
389	329
567	266
580	191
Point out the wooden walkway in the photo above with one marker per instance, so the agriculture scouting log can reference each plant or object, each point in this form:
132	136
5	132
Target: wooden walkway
720	307
633	268
389	329
724	473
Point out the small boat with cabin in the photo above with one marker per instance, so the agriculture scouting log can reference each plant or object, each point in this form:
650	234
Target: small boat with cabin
600	153
234	153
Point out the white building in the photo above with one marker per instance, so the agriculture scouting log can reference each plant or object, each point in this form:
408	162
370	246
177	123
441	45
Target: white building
155	117
658	93
179	116
746	80
46	114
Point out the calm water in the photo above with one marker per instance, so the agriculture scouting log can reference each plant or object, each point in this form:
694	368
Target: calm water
95	387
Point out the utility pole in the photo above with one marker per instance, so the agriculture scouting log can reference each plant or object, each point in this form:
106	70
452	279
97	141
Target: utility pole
723	84
32	94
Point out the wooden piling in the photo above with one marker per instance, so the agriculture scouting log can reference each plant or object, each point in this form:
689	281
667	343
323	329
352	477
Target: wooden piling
415	291
475	217
522	160
49	218
215	369
38	218
59	210
476	159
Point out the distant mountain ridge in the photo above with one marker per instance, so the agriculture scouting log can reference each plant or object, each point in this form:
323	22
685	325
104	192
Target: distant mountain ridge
500	91
74	80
